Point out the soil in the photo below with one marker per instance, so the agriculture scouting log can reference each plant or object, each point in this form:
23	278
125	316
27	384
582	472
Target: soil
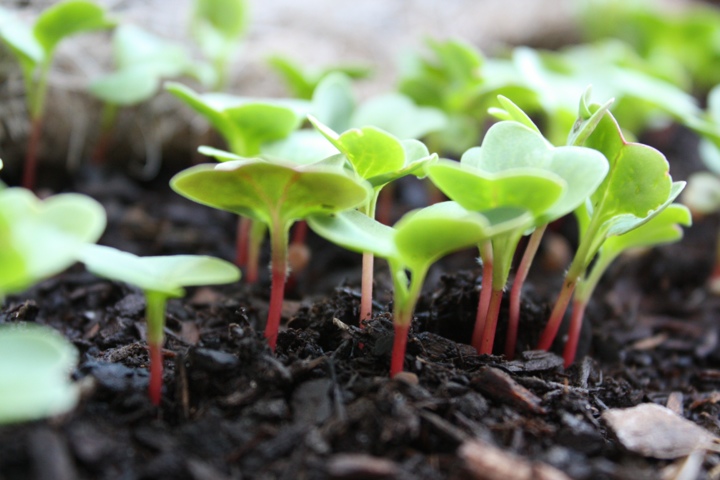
322	406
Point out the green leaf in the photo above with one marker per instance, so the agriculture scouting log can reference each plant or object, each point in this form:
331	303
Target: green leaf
130	86
356	231
133	47
398	115
477	190
371	151
20	39
424	236
42	238
162	274
68	18
639	180
333	102
227	18
662	228
301	147
510	145
272	193
510	111
35	367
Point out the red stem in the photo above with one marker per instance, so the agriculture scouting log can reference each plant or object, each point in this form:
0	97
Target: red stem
484	299
399	346
488	338
156	372
576	322
300	232
556	317
278	238
366	287
99	155
28	180
516	292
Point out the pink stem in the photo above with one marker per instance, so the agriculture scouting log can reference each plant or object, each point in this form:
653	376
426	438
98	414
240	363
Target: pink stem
399	346
30	171
485	294
488	338
278	237
300	232
556	317
156	372
516	292
366	287
576	322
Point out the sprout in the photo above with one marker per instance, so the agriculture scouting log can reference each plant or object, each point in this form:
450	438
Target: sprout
276	196
34	49
160	278
417	240
379	158
637	187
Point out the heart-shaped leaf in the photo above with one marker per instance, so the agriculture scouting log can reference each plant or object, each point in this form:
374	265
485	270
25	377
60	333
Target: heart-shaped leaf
42	238
164	274
272	193
68	18
398	115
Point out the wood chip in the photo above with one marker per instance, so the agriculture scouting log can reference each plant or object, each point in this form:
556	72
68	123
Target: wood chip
656	431
501	387
348	465
485	462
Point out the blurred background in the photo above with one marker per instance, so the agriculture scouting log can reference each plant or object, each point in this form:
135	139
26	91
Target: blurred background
377	35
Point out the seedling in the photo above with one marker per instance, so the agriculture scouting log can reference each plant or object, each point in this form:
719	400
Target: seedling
516	167
34	49
160	278
302	81
451	81
379	158
35	367
42	238
217	26
245	125
637	187
274	195
583	175
417	240
663	228
142	60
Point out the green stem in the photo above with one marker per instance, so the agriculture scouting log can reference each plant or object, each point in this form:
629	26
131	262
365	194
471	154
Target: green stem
516	292
486	254
279	236
155	317
405	299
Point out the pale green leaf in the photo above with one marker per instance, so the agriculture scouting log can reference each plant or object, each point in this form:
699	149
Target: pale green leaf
68	18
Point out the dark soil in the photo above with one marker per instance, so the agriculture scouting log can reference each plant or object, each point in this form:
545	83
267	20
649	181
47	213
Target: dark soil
322	406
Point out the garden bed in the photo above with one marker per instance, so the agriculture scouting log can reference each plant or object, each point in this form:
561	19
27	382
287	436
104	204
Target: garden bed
323	406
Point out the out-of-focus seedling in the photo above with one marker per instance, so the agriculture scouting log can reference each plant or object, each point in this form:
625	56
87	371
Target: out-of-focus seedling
417	240
35	367
142	60
34	47
302	81
41	238
160	278
217	26
274	195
